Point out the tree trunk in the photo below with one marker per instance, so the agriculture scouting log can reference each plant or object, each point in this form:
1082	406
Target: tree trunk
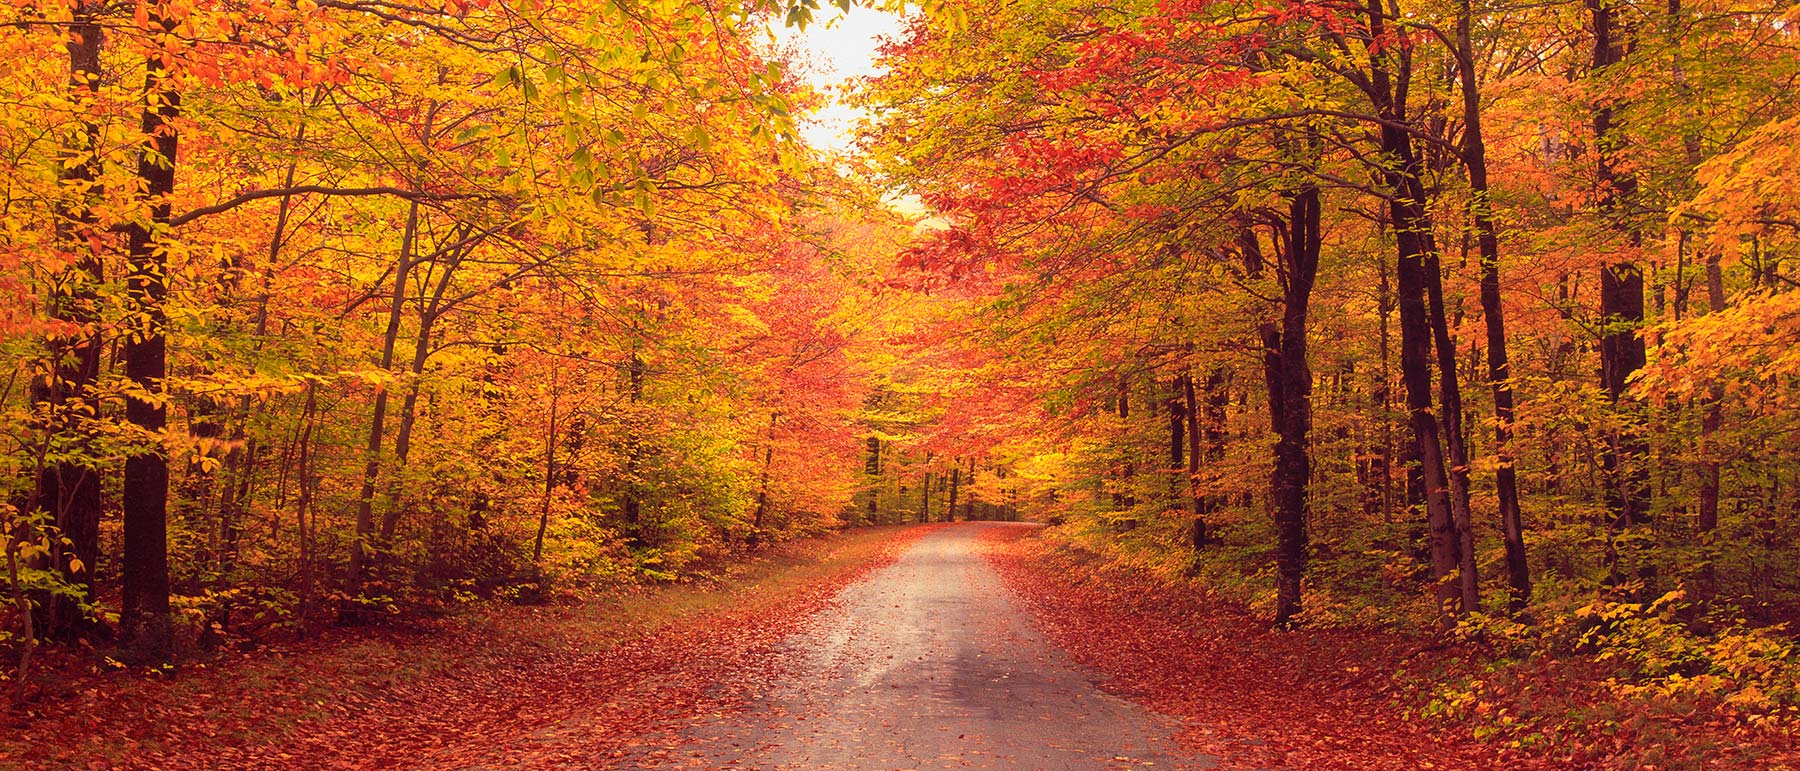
872	467
1706	581
1382	399
762	487
144	615
924	494
1621	300
955	479
1415	374
1474	152
390	518
303	506
432	309
1451	417
1124	500
1177	410
969	510
634	370
537	543
1290	401
70	491
1416	280
365	504
1197	535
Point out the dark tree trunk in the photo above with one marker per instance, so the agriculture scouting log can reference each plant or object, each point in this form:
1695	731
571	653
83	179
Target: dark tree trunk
390	518
1621	298
1712	420
1415	374
433	308
1416	279
1124	499
969	510
70	491
1197	535
1474	152
925	493
144	615
303	506
1706	578
1455	440
1381	398
955	480
634	369
762	486
1177	409
1290	401
872	467
241	460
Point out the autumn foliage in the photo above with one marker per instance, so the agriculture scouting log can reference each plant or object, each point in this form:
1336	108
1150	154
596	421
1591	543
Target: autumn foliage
1430	322
328	312
1469	320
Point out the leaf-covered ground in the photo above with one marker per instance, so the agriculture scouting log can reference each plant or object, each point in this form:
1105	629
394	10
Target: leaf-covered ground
1329	699
511	687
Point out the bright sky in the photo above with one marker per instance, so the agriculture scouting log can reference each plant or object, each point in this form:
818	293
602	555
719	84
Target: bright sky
837	47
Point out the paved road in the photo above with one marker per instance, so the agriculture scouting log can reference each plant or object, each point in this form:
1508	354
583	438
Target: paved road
930	664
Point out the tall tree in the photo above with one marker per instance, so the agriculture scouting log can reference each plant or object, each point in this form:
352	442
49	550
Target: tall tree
144	617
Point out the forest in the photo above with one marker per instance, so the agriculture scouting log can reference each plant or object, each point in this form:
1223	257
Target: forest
1472	321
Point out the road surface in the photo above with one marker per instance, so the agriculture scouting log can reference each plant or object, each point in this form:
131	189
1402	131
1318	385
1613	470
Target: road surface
929	663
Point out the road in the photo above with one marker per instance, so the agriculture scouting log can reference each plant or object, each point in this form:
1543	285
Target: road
928	663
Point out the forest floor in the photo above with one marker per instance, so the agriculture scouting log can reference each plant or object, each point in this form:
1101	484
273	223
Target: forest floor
976	645
1329	698
548	687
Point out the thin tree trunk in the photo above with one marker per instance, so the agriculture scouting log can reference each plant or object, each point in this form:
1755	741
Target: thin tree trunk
762	487
969	510
634	373
240	461
925	495
955	479
432	309
1706	582
1124	499
1383	394
1455	440
1177	409
537	543
1197	535
303	506
365	504
28	637
872	467
1474	151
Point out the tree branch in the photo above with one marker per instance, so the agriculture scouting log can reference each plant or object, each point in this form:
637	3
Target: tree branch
280	192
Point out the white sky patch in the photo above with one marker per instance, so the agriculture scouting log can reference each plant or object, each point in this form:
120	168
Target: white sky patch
831	54
834	50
